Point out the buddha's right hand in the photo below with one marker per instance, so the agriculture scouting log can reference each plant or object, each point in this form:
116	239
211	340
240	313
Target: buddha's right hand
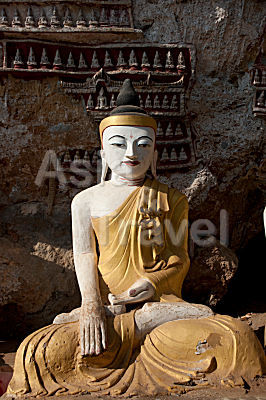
93	331
141	290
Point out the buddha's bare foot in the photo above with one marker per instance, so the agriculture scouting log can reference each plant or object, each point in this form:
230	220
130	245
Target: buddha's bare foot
63	318
155	314
73	316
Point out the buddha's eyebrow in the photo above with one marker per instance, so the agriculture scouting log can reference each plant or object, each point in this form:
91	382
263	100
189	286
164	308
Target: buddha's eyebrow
145	137
122	137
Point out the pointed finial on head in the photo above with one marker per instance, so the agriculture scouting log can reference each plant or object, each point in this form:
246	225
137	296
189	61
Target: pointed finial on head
127	95
128	111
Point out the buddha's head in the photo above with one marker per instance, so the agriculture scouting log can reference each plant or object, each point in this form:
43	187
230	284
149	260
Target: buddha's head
128	137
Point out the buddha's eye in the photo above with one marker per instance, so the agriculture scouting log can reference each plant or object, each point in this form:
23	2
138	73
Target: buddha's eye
144	142
121	145
117	141
143	145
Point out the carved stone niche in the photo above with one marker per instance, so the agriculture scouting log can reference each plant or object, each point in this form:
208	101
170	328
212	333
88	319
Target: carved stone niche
161	75
258	78
80	168
57	38
68	20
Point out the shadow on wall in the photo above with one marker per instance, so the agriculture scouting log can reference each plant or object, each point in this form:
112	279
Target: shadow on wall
6	366
33	290
246	292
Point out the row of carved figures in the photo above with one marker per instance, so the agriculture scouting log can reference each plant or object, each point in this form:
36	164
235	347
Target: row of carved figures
173	154
113	17
102	103
259	78
132	62
166	154
169	130
157	104
77	157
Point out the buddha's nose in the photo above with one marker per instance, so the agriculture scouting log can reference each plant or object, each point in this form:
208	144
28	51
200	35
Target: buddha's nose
130	153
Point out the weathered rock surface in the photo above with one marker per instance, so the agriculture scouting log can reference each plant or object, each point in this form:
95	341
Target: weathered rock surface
37	276
35	116
257	321
210	273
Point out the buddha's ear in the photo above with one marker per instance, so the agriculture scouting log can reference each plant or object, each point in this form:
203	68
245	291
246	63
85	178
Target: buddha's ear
102	153
104	166
154	163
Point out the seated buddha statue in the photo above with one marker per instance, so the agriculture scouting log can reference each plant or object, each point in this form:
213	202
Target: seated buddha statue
133	334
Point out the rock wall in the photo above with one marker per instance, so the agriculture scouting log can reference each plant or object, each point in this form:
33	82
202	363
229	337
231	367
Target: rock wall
36	116
227	36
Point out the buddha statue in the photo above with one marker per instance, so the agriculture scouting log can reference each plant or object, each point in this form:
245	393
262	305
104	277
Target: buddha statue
133	334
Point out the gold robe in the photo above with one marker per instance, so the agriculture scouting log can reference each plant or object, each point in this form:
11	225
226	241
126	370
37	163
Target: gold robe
145	237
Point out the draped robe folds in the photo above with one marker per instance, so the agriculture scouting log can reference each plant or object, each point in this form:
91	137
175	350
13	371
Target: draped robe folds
145	237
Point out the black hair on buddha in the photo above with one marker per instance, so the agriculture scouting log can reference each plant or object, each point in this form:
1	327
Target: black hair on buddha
127	100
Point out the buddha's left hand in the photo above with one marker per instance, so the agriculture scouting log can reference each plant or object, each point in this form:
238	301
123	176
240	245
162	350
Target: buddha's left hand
92	323
141	290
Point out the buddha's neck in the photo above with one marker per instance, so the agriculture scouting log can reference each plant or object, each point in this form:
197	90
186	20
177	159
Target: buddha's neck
119	180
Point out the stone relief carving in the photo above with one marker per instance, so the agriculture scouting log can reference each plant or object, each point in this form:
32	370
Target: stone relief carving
68	20
161	74
54	46
39	15
258	79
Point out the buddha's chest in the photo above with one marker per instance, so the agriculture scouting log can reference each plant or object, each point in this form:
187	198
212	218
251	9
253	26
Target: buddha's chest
108	199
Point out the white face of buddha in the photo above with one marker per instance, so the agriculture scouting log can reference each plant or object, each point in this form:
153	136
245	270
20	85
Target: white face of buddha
128	150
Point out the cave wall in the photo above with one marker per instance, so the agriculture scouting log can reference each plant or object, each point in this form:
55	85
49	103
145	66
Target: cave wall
37	278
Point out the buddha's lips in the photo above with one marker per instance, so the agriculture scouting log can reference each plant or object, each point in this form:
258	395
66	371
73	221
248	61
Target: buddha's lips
131	163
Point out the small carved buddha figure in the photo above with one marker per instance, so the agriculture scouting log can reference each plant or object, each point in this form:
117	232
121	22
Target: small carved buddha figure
107	60
133	331
68	20
44	59
42	21
94	62
101	100
29	21
16	19
3	18
156	103
31	60
55	21
18	63
165	102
